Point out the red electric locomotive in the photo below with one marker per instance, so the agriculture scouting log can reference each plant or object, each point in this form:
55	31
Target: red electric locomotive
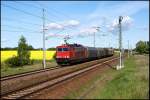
70	53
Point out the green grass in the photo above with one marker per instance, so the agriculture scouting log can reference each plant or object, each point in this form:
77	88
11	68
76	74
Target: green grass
6	70
131	82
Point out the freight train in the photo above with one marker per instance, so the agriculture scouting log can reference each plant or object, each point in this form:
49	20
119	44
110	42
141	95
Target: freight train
72	53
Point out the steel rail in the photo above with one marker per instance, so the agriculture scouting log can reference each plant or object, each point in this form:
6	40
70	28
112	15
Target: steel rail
28	73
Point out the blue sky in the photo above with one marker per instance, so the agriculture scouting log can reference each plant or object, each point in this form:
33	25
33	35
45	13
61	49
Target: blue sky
76	19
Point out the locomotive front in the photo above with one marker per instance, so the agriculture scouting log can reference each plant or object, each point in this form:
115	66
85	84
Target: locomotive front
63	54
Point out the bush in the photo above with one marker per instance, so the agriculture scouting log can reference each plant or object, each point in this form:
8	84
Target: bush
13	61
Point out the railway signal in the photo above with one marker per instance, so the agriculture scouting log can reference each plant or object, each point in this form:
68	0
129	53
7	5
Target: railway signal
120	44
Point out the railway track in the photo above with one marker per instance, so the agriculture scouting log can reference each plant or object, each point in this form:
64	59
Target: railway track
25	92
28	73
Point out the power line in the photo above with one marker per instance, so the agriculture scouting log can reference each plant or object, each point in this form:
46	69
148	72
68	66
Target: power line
19	28
19	31
30	5
21	11
55	11
30	14
49	13
53	15
27	13
19	21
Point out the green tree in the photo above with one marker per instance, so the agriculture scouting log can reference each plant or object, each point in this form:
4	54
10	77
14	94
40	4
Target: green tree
23	52
147	47
142	47
23	56
30	47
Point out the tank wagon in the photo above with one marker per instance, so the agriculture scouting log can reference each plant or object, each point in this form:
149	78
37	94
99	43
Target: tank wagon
72	53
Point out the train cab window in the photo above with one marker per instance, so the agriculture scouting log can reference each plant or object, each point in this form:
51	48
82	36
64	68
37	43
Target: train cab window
59	49
65	49
62	49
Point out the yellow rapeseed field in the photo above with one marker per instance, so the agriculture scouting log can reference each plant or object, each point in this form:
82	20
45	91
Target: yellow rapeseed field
37	55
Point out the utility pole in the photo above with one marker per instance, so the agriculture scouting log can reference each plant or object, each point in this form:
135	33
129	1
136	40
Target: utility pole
44	54
120	43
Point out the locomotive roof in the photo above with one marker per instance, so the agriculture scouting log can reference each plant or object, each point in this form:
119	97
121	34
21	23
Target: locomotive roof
72	45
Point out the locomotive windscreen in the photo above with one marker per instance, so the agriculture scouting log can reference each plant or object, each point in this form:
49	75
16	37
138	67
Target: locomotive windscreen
62	49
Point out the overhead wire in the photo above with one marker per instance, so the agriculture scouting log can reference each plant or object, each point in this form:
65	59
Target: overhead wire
32	14
53	15
21	2
28	13
31	5
23	12
66	16
20	28
18	31
20	21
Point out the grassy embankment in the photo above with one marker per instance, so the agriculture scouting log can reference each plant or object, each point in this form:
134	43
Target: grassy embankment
36	55
131	82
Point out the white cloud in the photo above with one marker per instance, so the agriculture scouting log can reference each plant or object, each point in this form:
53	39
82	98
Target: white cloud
66	24
54	26
71	23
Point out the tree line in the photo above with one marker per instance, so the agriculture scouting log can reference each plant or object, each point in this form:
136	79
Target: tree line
142	47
